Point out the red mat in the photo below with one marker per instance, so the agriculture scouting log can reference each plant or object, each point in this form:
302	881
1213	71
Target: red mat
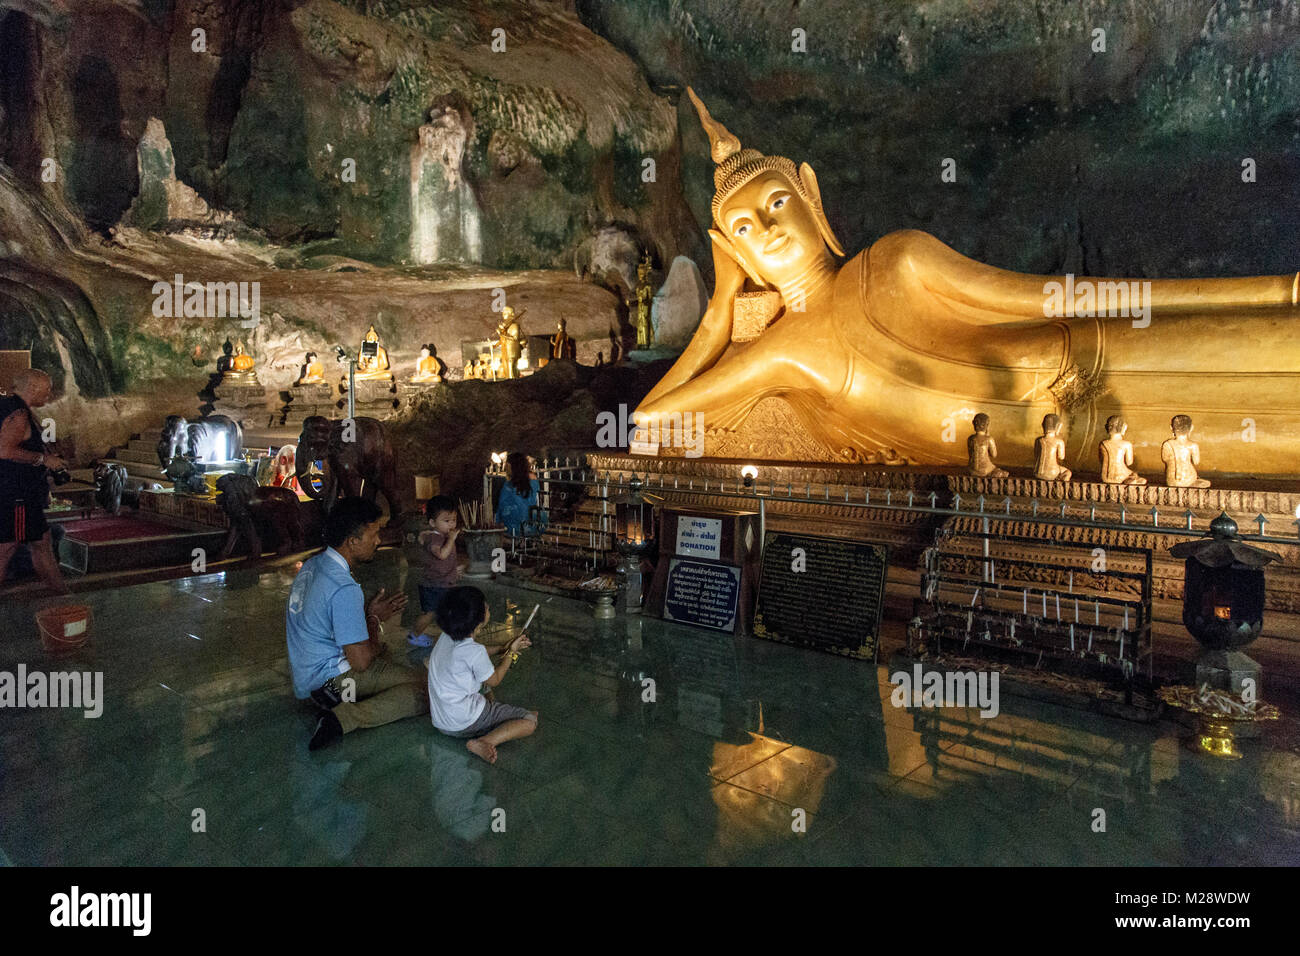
116	529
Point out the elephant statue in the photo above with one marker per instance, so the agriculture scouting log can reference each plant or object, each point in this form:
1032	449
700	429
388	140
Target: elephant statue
256	511
357	457
114	487
196	439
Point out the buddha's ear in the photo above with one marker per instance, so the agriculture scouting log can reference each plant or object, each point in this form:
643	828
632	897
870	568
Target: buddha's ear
723	244
809	179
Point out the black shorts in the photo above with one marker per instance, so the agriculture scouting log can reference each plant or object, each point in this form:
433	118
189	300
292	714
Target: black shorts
21	522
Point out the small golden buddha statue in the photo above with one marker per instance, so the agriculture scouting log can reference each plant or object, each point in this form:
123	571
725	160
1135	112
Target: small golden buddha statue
981	449
510	340
562	345
644	331
1049	452
428	367
313	373
370	367
1116	454
1182	456
469	370
877	352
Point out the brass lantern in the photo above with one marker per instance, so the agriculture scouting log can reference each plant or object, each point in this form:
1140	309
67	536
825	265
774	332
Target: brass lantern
1223	587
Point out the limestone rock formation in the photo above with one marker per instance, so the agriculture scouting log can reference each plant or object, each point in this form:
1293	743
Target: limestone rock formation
679	304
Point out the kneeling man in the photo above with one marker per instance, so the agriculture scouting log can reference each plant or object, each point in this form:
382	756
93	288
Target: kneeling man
333	634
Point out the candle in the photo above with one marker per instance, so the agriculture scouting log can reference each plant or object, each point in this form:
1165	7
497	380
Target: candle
1044	604
1076	610
1058	607
975	597
1096	612
1089	639
1071	637
1071	582
1126	617
1013	628
969	616
1024	601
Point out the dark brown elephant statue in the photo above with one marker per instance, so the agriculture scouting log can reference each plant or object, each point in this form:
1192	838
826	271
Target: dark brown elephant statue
114	487
357	458
195	439
258	512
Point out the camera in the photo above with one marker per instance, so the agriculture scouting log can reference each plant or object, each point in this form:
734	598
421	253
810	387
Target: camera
60	476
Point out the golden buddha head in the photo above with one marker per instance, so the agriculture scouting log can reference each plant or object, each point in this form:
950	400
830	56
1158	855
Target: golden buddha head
768	214
372	335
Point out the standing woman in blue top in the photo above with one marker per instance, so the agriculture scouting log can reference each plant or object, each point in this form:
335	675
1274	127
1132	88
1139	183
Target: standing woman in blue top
519	496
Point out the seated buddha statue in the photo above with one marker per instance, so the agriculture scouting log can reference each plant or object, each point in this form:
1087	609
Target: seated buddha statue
238	365
313	373
370	367
896	346
428	367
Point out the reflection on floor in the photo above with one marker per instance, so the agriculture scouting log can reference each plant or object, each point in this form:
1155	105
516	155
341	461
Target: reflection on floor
658	744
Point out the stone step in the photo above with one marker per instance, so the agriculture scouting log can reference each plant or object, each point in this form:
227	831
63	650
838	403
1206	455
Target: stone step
141	456
144	444
149	470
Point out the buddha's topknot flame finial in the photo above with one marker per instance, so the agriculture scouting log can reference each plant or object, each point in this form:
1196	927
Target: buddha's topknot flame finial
722	142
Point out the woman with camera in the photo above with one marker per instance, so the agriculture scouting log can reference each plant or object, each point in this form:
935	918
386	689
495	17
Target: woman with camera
24	487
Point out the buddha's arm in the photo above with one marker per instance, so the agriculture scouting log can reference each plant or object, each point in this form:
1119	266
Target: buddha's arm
714	332
725	393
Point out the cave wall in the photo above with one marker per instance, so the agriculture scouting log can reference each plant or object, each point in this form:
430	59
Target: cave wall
1123	162
262	117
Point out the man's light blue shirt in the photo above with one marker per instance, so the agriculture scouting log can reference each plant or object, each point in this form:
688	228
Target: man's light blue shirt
326	612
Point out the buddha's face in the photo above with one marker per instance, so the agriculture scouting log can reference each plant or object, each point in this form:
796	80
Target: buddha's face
772	227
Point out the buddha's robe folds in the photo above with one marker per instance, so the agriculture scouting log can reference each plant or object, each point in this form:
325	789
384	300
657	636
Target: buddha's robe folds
918	338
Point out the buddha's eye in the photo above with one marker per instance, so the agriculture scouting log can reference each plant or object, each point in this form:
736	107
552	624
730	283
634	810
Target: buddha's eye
778	203
742	230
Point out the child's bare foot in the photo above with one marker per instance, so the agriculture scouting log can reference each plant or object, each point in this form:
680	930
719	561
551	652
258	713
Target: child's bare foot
481	748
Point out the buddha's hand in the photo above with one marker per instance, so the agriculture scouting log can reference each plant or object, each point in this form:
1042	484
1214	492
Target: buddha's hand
729	279
714	332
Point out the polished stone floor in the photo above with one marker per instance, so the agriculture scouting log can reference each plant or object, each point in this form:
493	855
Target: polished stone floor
747	753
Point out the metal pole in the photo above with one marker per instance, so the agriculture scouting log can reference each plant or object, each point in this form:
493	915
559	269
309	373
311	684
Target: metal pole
352	388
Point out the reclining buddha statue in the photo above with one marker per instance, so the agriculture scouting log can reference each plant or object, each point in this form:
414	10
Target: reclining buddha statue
887	357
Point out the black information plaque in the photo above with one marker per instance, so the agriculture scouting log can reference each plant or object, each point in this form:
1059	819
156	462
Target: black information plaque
702	593
826	593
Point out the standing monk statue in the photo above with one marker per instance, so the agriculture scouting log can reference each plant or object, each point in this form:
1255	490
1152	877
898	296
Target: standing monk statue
644	331
901	341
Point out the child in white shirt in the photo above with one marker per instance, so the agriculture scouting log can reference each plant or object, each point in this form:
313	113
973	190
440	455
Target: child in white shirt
459	666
